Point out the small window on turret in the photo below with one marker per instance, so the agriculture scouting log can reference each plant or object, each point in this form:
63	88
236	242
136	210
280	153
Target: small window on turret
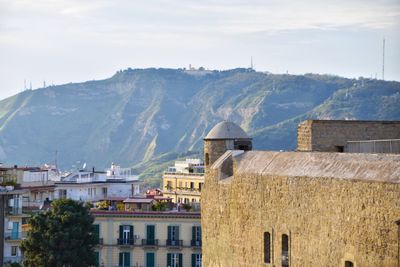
207	157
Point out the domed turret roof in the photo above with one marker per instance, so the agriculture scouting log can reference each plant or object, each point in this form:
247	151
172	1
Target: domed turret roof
227	130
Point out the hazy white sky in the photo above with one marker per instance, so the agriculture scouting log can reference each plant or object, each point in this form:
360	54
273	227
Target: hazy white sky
71	41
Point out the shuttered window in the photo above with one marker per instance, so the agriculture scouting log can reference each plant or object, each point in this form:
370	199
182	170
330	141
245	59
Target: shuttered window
174	260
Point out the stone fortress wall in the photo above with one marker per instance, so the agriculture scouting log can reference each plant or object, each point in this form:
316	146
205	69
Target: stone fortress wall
331	136
334	208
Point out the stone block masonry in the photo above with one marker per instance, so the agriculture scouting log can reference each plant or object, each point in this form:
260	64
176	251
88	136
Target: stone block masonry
332	136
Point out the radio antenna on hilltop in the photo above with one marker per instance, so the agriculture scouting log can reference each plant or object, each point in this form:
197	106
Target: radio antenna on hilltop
251	63
383	59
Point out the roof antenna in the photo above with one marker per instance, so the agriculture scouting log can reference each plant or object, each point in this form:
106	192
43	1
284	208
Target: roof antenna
383	59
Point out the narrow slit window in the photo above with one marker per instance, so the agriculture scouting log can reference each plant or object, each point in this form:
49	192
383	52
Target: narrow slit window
267	247
285	250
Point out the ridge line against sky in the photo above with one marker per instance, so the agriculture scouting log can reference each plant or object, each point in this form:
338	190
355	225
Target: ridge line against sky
70	41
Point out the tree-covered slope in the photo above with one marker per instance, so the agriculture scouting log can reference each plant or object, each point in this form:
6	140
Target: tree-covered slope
138	115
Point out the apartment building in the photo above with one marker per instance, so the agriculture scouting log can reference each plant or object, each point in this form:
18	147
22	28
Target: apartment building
92	186
183	182
148	239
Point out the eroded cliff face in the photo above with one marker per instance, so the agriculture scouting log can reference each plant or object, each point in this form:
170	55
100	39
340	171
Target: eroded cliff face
139	114
328	220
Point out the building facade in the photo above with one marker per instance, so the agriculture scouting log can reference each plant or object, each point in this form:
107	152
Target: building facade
93	186
12	230
184	181
266	208
148	239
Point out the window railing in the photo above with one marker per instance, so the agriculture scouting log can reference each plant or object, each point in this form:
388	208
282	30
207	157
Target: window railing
149	242
174	243
12	259
125	241
14	235
14	210
195	243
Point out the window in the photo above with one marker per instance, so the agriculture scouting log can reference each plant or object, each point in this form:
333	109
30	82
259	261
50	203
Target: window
339	148
174	260
173	236
62	193
124	259
150	259
14	251
97	231
207	159
97	255
196	236
348	264
169	185
267	247
200	186
192	186
196	260
285	250
150	234
125	235
104	191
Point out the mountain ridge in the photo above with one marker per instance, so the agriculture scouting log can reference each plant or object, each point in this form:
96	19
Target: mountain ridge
139	114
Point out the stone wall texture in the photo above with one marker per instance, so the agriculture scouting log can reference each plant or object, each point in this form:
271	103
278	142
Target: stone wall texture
328	220
327	136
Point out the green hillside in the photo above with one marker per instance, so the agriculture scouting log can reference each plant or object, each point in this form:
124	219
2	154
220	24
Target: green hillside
144	116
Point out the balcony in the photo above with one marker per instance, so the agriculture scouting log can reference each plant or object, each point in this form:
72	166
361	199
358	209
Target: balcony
195	243
150	243
14	211
12	259
14	236
174	243
125	241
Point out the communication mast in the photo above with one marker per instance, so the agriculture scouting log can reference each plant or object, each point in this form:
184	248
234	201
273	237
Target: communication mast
383	60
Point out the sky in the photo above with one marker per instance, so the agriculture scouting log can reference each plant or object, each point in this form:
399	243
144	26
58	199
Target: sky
64	41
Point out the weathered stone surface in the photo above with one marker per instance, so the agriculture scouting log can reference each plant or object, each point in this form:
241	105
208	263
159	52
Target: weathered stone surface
328	135
329	218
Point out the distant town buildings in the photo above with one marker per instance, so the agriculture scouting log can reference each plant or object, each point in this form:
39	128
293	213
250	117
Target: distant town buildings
25	191
184	181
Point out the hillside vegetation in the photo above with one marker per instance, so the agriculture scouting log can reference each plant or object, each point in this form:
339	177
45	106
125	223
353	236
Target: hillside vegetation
147	116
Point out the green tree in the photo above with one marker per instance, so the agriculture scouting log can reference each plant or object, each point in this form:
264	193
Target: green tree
61	237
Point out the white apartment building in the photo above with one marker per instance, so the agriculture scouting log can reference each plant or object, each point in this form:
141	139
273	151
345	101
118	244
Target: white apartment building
92	186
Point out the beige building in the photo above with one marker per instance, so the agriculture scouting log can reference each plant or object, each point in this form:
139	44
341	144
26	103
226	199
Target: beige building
184	181
148	239
266	208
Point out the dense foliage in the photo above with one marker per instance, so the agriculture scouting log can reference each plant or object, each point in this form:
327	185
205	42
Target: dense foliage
61	237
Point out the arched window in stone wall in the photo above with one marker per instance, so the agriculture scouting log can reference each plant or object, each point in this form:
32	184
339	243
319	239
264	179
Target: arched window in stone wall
285	250
267	247
348	264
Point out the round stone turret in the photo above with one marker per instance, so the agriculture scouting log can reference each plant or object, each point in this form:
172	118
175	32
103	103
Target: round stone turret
224	136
